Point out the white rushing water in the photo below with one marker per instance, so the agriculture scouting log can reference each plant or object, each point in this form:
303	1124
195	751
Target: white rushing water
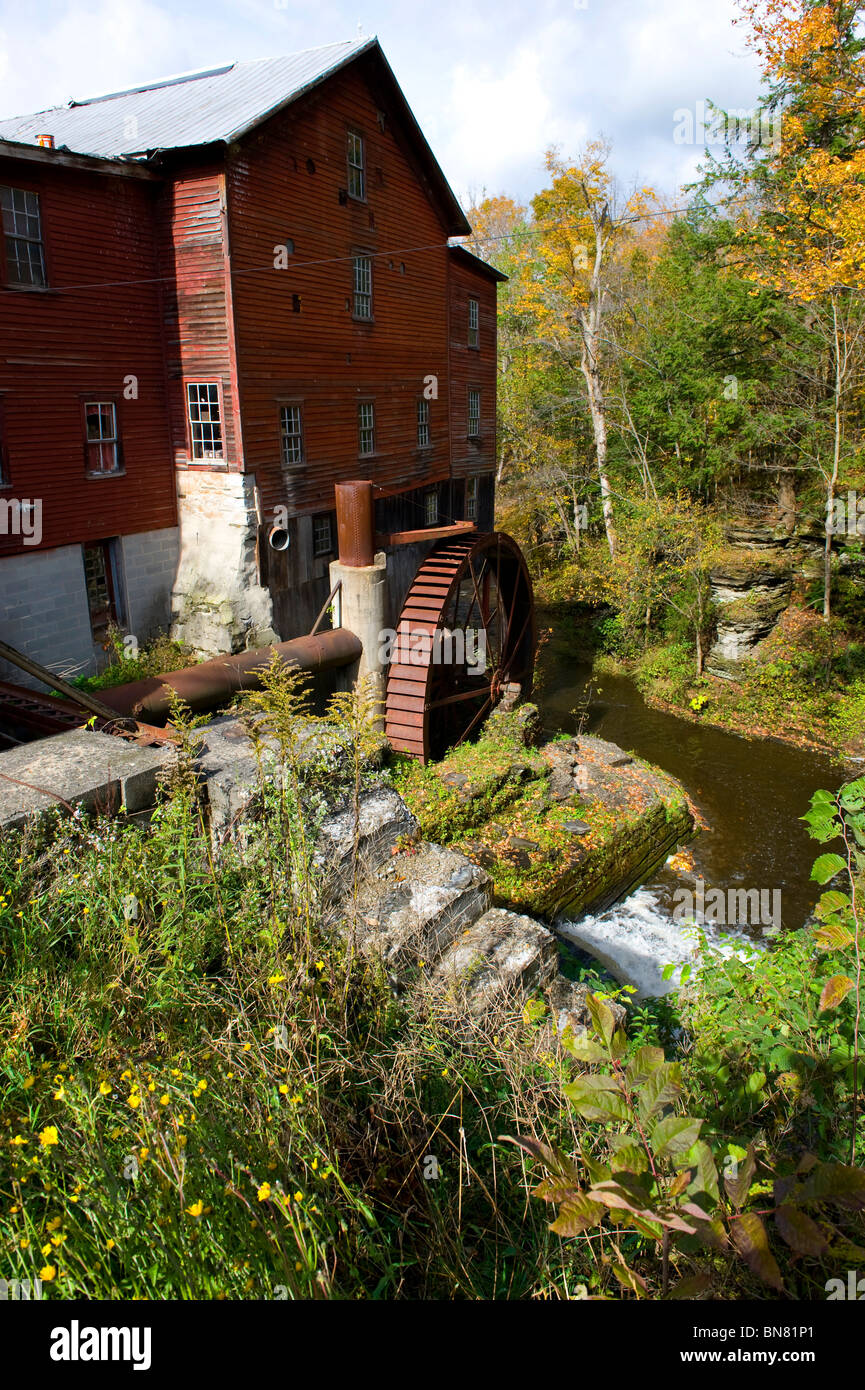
635	940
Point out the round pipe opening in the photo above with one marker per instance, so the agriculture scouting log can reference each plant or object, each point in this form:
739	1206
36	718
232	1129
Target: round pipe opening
278	538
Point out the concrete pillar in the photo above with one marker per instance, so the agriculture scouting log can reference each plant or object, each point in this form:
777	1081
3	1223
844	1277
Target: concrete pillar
361	606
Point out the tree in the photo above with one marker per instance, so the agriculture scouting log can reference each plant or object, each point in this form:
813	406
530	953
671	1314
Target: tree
808	239
579	235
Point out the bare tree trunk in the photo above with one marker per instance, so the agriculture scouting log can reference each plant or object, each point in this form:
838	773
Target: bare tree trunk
833	480
589	319
597	409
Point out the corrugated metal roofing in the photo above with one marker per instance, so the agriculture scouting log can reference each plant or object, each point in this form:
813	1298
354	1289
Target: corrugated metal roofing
192	109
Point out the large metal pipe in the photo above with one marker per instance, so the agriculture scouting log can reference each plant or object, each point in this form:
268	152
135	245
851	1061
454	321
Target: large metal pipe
355	530
213	683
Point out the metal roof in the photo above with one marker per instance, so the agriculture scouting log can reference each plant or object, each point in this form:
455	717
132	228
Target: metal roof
191	109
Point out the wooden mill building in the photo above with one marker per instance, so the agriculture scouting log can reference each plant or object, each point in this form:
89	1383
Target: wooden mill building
220	294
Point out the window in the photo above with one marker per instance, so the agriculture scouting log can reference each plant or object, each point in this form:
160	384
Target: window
363	287
205	420
356	176
423	424
100	577
22	233
474	322
471	499
431	508
100	436
322	535
366	428
474	413
291	421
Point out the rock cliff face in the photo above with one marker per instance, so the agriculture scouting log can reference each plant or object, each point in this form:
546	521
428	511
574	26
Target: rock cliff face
754	587
750	601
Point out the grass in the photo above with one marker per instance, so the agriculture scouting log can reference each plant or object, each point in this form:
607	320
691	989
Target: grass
202	1099
207	1095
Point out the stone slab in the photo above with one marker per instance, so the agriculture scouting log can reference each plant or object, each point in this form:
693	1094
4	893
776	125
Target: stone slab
81	767
501	955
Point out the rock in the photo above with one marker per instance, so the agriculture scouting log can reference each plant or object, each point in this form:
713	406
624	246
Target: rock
750	601
568	1004
503	954
231	778
383	821
516	842
419	903
576	827
523	723
86	769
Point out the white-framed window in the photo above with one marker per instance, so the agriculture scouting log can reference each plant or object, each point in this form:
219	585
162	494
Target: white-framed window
474	324
365	428
363	287
22	234
356	174
474	413
100	436
423	436
471	499
205	419
322	535
291	432
431	508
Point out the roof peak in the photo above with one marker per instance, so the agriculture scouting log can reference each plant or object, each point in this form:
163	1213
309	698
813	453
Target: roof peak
196	74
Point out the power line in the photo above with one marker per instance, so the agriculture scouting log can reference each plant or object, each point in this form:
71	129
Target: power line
529	230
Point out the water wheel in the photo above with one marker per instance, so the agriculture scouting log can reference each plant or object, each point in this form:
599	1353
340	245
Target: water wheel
465	638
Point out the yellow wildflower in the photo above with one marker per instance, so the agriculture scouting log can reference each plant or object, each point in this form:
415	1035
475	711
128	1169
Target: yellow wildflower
196	1209
264	1192
47	1273
48	1136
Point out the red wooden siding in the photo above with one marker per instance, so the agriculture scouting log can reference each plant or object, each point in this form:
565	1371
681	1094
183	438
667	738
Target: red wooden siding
472	368
196	302
285	183
96	324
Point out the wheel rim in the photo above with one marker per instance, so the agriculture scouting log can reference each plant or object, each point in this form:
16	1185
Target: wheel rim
466	633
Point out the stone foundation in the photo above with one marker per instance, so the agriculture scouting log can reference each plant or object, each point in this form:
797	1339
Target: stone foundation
218	603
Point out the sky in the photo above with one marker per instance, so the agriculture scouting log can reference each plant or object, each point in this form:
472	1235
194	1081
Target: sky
493	83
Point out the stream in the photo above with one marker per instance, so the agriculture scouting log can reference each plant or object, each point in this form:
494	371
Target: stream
751	795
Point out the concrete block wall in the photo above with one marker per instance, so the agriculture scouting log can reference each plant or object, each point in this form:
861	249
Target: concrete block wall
150	560
45	614
44	610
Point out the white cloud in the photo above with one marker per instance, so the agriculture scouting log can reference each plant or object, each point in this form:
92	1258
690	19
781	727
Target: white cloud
501	120
493	83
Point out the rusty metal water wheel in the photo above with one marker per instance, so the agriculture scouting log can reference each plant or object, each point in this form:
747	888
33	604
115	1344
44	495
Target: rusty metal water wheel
470	599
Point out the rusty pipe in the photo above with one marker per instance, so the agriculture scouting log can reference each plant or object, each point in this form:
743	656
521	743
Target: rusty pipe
212	683
355	529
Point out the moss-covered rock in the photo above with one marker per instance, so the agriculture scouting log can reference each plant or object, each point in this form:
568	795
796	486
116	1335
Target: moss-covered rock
567	829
